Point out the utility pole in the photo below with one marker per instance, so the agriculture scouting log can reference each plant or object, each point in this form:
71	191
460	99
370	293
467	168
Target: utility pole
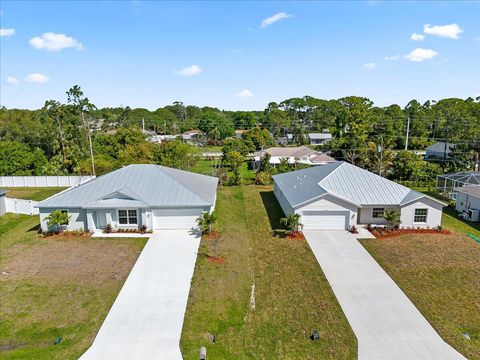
445	145
143	125
408	132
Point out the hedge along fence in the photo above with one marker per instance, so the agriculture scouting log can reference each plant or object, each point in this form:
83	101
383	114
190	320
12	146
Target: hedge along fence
43	181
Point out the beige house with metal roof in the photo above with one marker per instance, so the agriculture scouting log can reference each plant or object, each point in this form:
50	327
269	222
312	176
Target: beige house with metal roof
294	155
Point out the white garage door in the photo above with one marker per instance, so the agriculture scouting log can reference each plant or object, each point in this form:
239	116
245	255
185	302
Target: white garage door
325	220
162	221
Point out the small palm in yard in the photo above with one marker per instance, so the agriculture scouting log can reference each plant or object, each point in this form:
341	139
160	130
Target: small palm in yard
292	223
57	219
206	221
392	218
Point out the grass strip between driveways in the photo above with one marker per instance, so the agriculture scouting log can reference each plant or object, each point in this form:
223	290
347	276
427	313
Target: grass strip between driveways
292	296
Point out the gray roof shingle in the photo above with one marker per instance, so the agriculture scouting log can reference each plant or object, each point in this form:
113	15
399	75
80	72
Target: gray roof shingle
140	186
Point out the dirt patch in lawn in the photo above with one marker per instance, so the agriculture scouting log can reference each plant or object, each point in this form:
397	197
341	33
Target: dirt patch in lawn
90	261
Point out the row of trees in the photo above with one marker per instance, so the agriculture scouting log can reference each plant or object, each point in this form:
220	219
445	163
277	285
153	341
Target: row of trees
63	138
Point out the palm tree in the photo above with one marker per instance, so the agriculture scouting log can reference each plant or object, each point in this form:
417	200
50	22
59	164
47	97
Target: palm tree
291	222
392	218
57	219
206	222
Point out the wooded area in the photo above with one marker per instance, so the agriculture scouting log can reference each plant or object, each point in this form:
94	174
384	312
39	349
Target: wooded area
55	139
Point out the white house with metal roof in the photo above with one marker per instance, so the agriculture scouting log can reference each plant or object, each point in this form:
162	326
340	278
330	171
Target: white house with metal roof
339	195
152	195
468	202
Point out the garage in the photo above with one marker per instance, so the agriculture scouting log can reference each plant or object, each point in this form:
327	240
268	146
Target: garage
325	220
175	219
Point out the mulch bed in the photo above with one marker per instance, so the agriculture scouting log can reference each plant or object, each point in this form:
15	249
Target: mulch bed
385	234
66	235
298	235
214	235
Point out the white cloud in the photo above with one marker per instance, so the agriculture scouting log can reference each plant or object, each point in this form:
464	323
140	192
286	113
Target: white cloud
190	70
37	78
370	65
419	55
244	93
476	38
451	31
12	80
6	32
55	42
392	58
417	37
274	18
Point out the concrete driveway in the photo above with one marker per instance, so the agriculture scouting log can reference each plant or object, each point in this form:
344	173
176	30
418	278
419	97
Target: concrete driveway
146	319
386	323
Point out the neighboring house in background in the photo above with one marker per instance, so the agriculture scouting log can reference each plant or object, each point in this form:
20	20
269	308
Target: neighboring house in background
161	138
339	195
239	133
294	155
468	202
192	135
319	138
152	195
447	184
437	151
3	204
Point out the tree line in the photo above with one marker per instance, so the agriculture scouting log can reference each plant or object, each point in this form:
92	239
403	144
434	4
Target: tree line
62	138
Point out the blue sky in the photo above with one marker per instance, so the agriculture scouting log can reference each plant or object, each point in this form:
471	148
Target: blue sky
149	54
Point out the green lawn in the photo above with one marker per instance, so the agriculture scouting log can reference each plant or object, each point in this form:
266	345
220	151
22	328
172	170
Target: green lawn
292	296
56	287
29	193
207	149
440	274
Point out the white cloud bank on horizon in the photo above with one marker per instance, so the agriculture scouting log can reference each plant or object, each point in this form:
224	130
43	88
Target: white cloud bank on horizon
12	80
37	78
55	42
419	55
273	19
369	65
6	32
190	70
451	31
244	93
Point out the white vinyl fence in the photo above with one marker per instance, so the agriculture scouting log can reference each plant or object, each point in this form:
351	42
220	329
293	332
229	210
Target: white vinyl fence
21	206
43	181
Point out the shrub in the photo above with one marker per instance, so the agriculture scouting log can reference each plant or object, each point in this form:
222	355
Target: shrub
206	221
263	178
291	222
142	229
107	229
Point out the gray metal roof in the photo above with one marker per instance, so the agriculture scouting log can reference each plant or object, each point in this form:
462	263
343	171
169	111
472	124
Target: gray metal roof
139	186
473	190
344	181
440	147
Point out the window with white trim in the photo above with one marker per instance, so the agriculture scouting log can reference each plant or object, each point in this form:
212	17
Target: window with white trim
127	217
420	216
377	213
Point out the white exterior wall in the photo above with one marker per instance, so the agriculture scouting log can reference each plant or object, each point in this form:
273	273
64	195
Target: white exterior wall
467	202
366	215
77	220
434	217
287	209
330	203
